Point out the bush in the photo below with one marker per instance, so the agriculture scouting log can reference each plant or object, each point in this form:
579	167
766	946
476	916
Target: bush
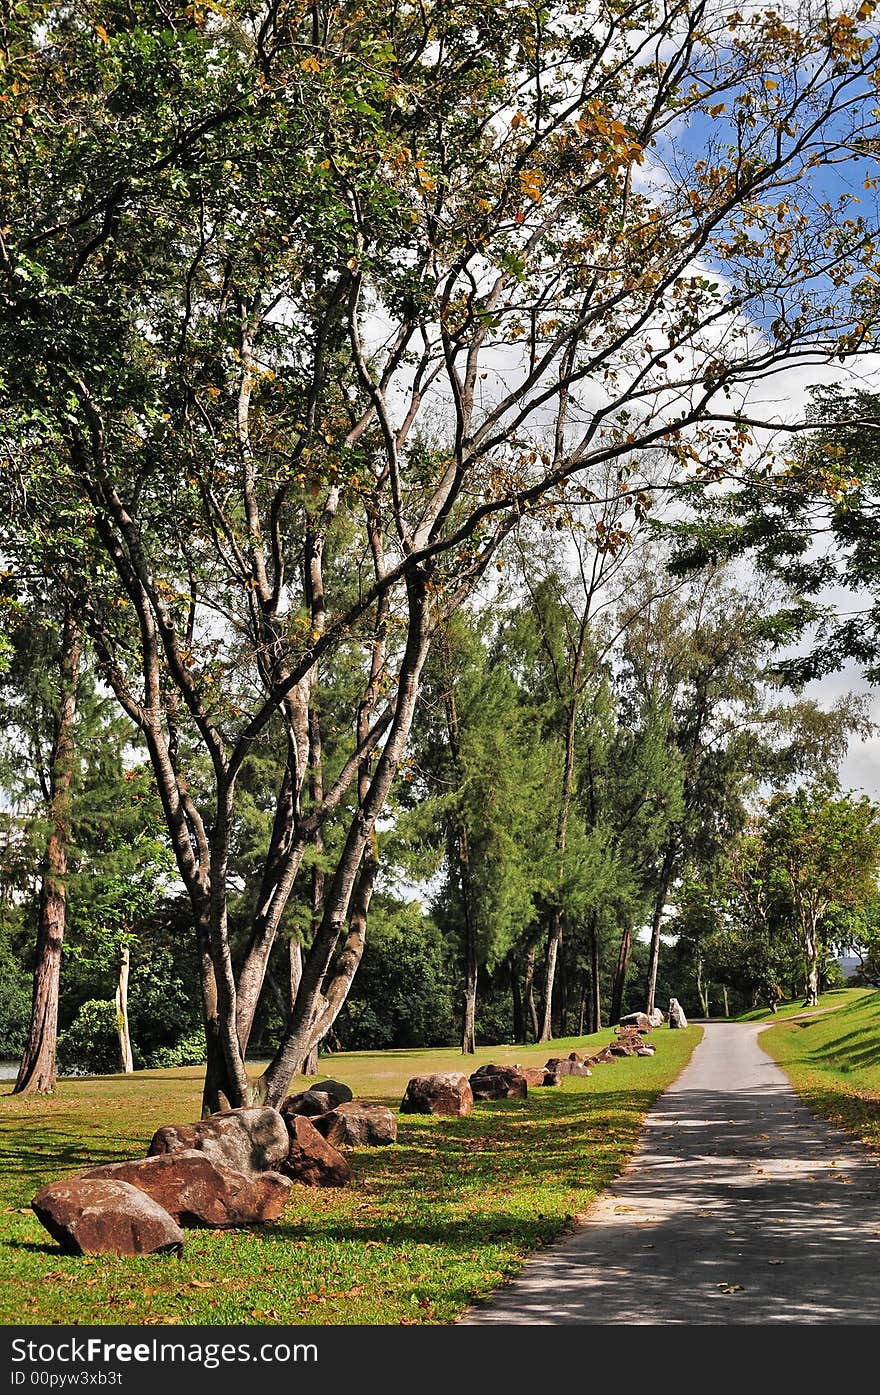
90	1045
188	1051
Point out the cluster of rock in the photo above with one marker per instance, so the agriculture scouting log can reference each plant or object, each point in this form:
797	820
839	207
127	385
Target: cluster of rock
237	1167
234	1168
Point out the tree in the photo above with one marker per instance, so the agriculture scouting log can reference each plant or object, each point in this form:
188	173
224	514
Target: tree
301	313
826	848
807	518
41	708
481	784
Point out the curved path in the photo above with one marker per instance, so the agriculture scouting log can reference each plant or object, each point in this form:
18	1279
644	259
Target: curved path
740	1206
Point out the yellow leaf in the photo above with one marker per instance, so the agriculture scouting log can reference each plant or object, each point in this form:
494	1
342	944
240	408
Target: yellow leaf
102	33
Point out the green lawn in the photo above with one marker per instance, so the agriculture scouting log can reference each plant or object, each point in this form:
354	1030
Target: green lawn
794	1007
833	1062
447	1213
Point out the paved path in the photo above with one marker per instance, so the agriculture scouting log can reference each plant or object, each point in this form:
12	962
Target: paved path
739	1207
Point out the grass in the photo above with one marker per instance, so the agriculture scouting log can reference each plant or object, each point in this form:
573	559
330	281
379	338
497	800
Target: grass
447	1213
833	1062
794	1007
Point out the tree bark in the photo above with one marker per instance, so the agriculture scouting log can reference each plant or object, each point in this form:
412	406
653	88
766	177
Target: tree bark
530	992
620	974
702	991
37	1073
656	922
811	957
596	999
519	1021
126	1061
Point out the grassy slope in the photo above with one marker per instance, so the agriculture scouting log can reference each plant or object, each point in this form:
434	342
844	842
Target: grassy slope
833	1062
446	1213
837	997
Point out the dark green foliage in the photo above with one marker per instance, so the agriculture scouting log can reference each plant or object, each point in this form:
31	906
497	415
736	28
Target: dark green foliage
403	993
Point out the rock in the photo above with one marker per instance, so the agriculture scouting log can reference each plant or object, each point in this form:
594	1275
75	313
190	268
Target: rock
197	1190
358	1125
646	1051
311	1159
604	1058
95	1216
310	1103
499	1083
656	1017
575	1056
538	1075
639	1020
246	1140
560	1065
446	1092
339	1093
676	1014
622	1048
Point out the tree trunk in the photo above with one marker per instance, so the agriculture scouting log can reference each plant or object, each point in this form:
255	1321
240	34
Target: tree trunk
811	957
126	1061
596	998
530	992
656	922
582	1007
702	992
550	976
38	1072
726	1002
620	974
468	1037
519	1021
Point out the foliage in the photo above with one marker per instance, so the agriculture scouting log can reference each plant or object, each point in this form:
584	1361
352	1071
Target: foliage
808	521
90	1045
250	485
403	995
188	1051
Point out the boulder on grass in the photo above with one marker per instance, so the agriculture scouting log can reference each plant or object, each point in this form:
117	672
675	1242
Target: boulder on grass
559	1065
197	1190
499	1083
622	1048
311	1103
339	1093
639	1020
656	1017
538	1075
311	1159
445	1092
357	1125
676	1014
246	1140
646	1051
95	1216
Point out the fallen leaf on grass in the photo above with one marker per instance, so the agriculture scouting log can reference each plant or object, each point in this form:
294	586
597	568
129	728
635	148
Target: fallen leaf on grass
199	1283
730	1288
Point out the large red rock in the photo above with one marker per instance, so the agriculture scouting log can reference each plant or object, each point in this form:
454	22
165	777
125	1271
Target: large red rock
246	1140
638	1020
492	1082
357	1125
445	1092
197	1190
311	1103
563	1065
96	1216
311	1159
339	1093
538	1075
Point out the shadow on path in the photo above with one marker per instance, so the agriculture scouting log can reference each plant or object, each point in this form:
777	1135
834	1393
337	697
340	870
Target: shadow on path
739	1207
